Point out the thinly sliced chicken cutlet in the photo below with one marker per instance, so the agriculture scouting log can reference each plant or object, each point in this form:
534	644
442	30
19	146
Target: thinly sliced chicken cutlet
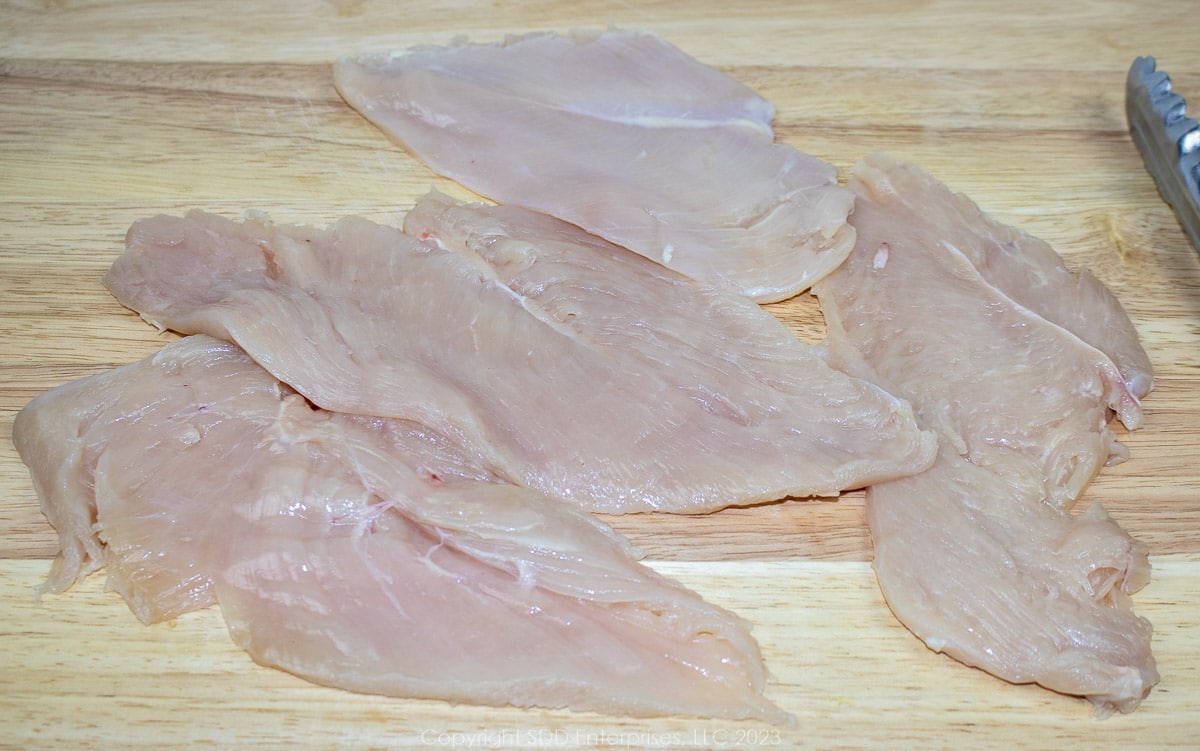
1028	271
980	556
625	136
981	567
363	553
567	364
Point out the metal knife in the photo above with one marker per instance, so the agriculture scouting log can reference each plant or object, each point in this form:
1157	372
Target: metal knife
1168	139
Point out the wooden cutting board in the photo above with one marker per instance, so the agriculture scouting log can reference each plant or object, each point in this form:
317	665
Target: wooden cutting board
114	111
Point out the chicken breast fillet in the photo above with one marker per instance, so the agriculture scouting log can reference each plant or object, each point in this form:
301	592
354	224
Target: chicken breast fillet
624	135
979	555
367	554
567	364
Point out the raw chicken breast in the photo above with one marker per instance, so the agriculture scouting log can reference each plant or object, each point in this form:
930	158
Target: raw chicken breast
198	388
625	136
363	553
979	555
1028	271
567	364
621	76
980	566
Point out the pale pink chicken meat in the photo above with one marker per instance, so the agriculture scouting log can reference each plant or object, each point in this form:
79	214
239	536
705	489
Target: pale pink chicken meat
567	364
979	556
624	135
1031	273
368	554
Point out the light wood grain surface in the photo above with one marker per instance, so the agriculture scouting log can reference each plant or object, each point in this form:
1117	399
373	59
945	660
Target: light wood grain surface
111	111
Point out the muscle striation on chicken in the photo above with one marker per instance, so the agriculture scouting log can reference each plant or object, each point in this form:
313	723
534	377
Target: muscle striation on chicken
369	554
566	364
624	135
980	556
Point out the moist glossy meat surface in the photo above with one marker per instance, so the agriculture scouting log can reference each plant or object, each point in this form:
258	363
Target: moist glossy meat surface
979	555
1028	271
368	554
567	364
625	136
